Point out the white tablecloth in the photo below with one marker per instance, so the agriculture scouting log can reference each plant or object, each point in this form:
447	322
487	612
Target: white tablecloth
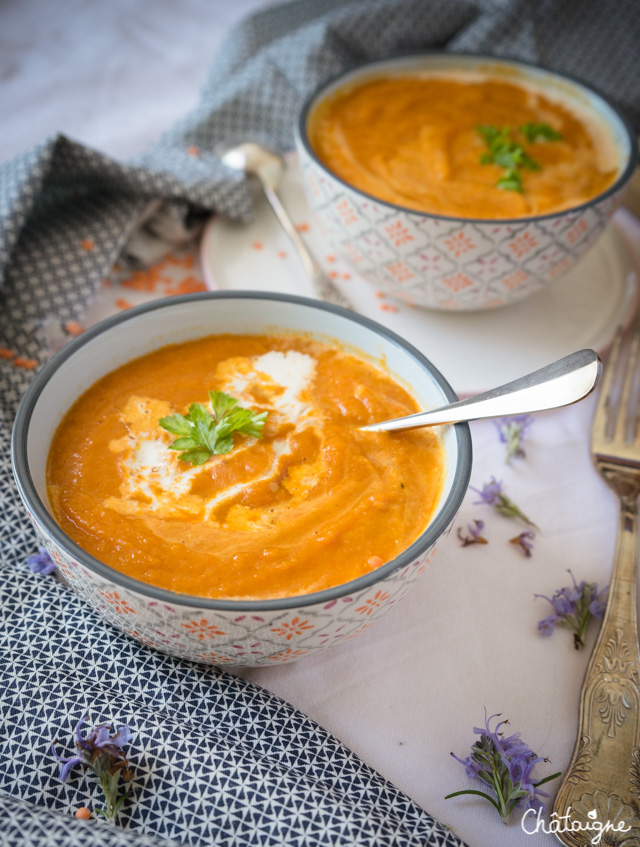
409	690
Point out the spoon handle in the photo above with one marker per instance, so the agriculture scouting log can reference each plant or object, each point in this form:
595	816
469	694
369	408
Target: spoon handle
558	384
323	287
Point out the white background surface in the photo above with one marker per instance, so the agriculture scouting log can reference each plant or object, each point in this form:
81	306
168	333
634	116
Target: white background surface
404	694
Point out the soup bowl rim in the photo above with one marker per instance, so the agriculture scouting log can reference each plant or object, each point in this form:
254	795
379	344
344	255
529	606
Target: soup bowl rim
24	480
355	70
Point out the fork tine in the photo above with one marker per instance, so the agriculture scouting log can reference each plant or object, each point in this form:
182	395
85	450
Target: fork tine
603	408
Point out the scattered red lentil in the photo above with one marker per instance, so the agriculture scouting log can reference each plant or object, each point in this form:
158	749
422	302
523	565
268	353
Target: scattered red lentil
380	294
346	276
186	286
303	227
193	150
88	244
83	813
282	254
27	364
74	328
121	303
257	245
387	307
5	353
375	562
331	258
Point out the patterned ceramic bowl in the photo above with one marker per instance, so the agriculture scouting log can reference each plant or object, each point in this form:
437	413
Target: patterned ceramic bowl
453	263
203	629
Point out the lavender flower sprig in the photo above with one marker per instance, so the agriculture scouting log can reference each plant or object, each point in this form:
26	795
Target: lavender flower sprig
505	765
573	607
102	752
511	431
491	494
41	562
474	535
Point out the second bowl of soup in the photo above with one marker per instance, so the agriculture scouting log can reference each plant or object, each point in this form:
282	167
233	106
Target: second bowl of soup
462	182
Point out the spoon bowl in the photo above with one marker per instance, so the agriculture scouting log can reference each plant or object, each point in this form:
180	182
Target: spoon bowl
255	159
266	166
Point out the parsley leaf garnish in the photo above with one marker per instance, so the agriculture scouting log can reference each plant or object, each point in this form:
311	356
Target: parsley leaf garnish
508	153
532	132
203	434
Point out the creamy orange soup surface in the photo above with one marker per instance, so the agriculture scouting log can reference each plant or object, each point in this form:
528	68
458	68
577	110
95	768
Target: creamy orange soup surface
412	140
312	504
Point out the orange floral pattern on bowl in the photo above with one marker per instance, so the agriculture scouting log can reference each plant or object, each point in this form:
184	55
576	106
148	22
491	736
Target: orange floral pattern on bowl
264	638
443	263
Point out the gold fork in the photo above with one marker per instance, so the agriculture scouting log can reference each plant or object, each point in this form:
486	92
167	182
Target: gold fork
600	792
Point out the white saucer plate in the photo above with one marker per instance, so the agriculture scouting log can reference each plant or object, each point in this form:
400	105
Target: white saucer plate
474	350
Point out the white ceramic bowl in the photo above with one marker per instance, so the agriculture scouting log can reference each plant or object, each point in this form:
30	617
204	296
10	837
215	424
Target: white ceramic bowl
203	629
460	263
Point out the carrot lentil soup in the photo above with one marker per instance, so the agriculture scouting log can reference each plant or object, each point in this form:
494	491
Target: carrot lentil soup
413	140
311	504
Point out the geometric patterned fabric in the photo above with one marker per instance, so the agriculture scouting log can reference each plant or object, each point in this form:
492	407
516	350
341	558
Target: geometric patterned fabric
218	760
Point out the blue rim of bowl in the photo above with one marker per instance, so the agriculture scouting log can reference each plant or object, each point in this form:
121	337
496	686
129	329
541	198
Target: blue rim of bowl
24	480
311	101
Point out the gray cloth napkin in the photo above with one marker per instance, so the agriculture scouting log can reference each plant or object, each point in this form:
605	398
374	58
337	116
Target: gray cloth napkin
218	760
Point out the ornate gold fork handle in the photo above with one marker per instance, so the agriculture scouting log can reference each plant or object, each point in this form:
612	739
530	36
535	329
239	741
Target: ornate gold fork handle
600	792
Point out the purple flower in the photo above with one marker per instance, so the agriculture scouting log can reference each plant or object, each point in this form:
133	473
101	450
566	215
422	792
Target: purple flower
506	766
573	607
474	536
41	562
599	603
101	750
511	431
545	627
491	494
99	740
524	541
67	763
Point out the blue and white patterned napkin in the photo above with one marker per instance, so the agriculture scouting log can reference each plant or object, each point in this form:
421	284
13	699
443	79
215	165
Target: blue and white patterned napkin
217	759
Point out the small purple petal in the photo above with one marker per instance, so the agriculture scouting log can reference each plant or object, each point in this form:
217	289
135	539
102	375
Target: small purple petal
599	603
122	737
490	492
475	534
65	769
546	626
41	562
524	541
562	605
79	737
67	763
511	431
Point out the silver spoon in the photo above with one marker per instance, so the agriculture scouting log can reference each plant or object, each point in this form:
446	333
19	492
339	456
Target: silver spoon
559	384
266	165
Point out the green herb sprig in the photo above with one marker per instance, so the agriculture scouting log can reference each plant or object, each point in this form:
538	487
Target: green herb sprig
203	434
532	132
505	151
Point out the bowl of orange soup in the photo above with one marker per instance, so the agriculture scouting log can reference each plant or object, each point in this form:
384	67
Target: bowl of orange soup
459	181
197	469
